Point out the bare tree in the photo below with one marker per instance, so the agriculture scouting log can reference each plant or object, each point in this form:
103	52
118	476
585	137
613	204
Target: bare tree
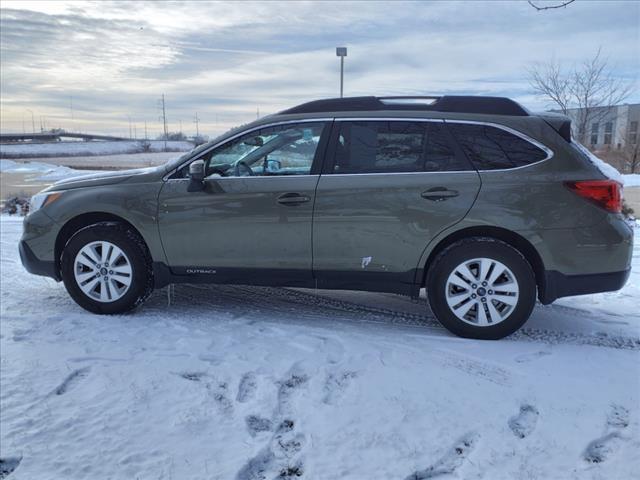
590	87
550	7
631	154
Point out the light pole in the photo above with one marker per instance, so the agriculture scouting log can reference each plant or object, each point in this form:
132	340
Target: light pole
341	52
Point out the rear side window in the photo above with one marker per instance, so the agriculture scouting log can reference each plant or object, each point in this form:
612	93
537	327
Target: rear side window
393	147
491	148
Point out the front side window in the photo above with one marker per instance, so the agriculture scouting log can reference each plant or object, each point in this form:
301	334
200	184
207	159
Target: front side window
280	150
491	148
394	147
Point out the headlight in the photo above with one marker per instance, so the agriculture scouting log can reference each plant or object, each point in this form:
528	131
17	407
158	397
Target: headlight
39	200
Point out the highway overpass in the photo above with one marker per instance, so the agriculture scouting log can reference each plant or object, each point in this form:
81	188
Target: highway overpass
54	137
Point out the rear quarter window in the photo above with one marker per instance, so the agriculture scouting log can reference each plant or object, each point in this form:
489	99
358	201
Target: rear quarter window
491	148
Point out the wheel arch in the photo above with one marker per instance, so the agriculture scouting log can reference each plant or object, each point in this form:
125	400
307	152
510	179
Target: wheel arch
73	225
517	241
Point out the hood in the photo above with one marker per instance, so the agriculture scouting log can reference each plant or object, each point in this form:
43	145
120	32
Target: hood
107	178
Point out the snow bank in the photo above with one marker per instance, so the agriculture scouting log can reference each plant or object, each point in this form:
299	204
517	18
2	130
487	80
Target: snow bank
631	180
44	172
70	149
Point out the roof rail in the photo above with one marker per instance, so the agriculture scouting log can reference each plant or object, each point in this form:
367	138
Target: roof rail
445	103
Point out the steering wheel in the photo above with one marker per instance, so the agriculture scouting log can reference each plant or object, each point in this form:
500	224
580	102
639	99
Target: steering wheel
241	169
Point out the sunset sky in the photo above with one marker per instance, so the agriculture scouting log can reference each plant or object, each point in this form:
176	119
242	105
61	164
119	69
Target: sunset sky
92	66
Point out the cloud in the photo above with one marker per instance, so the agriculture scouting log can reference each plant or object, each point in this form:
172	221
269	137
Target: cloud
113	60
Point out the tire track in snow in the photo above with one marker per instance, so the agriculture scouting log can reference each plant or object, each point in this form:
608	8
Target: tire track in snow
249	301
475	367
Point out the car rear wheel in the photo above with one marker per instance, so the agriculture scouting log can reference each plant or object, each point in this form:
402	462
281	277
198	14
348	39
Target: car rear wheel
481	288
106	268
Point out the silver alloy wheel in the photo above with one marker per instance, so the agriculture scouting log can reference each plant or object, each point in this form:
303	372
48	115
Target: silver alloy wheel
482	292
102	271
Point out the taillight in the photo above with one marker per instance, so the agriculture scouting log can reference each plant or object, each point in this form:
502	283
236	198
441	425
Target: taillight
605	193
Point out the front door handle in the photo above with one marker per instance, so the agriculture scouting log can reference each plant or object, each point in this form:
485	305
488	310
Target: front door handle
292	199
438	194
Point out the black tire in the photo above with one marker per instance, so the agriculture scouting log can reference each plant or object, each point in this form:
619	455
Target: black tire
480	247
135	249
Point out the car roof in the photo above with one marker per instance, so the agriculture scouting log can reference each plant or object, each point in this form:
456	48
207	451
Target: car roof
447	103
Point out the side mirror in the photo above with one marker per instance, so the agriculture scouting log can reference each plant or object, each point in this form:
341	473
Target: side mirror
273	166
196	174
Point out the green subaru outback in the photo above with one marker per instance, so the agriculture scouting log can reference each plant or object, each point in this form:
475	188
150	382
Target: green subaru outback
479	201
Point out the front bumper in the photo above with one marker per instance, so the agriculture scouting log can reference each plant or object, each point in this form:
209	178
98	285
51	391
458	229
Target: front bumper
36	266
557	285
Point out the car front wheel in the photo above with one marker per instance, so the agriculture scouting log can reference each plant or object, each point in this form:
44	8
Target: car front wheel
106	269
481	288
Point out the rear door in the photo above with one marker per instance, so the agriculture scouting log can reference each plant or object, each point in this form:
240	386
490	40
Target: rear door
388	187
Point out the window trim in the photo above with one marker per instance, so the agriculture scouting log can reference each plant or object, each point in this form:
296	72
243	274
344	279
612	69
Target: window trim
327	158
544	148
322	144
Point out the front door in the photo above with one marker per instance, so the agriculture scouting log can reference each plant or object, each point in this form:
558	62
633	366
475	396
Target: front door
252	221
392	186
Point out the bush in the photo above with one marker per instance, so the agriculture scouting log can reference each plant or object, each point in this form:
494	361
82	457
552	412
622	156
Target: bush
144	146
15	206
173	136
627	211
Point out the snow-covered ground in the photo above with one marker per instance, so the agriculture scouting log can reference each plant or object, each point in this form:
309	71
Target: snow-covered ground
41	172
231	382
632	180
62	149
109	162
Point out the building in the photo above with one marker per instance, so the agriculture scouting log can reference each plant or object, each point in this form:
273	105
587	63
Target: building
606	128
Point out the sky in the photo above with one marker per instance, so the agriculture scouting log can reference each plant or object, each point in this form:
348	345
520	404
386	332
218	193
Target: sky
102	66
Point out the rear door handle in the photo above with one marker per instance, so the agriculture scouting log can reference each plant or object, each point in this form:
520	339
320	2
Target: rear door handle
292	199
438	194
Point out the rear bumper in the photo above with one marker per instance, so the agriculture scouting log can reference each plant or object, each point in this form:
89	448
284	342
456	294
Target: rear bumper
557	285
34	265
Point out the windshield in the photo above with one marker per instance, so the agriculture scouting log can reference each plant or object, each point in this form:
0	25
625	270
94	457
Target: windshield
174	162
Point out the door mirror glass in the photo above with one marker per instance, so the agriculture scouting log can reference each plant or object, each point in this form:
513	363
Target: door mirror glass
273	166
196	174
196	170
